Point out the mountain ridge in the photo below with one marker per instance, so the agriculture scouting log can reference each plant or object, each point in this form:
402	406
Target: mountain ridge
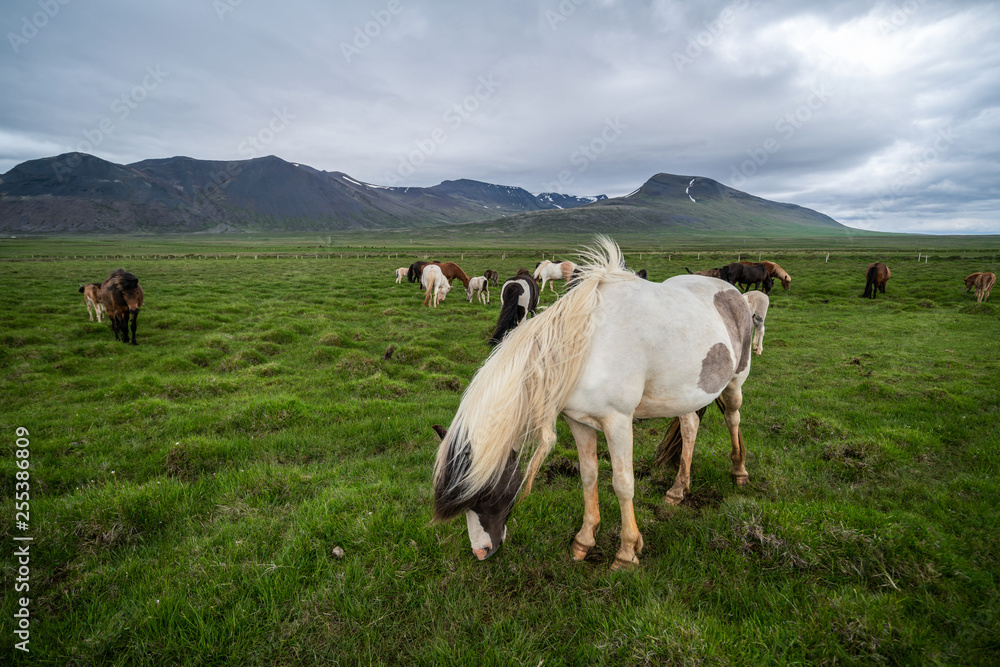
76	192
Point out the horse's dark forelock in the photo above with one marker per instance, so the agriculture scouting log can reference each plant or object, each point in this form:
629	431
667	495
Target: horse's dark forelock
448	485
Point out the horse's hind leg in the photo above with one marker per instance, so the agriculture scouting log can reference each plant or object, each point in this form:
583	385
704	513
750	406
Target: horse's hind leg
732	399
586	447
90	308
682	484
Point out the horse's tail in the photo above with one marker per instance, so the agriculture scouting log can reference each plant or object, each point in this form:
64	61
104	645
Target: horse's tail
519	391
870	282
669	451
508	318
411	275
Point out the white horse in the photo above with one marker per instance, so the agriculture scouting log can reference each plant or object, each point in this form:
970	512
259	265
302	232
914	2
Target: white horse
518	297
546	270
481	285
436	286
758	307
92	299
613	349
401	273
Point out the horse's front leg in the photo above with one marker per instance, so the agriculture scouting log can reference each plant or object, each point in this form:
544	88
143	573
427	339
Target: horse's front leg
618	431
682	484
135	317
586	447
732	398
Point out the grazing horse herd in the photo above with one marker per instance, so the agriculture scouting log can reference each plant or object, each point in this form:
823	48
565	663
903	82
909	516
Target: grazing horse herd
614	347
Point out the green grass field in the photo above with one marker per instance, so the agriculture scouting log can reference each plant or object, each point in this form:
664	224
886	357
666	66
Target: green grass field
187	494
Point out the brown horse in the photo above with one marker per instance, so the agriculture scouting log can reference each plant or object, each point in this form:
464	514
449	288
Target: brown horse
711	273
492	277
775	271
92	299
876	276
982	283
451	270
122	296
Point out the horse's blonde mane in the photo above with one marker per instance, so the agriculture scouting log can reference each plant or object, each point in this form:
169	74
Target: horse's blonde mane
524	384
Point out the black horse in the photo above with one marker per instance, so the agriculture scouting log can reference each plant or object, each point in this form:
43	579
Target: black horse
748	274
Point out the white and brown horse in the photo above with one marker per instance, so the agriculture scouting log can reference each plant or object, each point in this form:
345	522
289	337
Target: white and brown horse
435	284
613	349
122	297
518	298
92	299
546	270
481	285
982	283
774	271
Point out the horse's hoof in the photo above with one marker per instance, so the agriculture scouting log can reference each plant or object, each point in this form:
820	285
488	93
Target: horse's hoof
622	564
578	551
741	480
673	500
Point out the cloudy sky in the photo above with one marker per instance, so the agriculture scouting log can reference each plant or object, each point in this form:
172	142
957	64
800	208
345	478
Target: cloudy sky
883	115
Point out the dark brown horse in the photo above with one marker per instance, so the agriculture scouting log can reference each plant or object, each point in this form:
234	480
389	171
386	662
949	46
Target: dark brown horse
754	274
492	277
122	297
775	271
413	275
876	276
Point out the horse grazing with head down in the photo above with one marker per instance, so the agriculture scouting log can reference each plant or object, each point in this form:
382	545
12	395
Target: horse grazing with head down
774	271
546	270
613	349
982	283
754	274
518	297
92	299
122	297
436	286
876	276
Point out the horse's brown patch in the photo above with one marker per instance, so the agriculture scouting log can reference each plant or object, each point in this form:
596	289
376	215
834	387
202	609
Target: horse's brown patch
735	313
716	369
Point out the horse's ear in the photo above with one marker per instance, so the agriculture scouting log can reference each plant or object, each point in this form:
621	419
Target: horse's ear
440	430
